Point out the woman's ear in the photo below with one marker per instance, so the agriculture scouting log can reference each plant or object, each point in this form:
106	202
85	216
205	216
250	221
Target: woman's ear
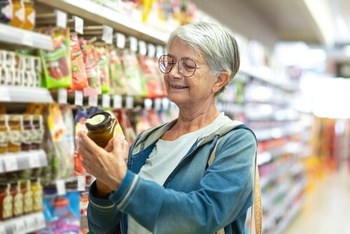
221	80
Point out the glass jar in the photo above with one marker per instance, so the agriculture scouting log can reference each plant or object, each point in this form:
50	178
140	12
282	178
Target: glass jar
6	203
15	126
18	17
6	11
26	143
37	132
102	127
4	131
29	22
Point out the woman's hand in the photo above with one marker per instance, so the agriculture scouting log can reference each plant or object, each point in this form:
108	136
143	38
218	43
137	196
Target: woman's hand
107	165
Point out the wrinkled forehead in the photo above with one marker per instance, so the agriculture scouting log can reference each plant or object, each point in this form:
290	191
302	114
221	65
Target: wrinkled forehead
183	48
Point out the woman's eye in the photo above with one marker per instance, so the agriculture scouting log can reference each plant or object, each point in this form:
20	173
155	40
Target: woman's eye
189	66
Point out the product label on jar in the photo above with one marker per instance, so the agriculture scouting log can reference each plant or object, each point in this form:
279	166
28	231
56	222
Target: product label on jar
15	137
28	202
37	200
7	207
38	135
3	138
20	14
27	136
118	130
7	11
18	204
31	18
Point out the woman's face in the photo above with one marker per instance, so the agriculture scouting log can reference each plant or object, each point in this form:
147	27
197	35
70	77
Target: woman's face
196	89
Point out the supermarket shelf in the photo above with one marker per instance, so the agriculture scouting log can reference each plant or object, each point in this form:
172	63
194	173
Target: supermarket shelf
266	76
12	35
293	148
24	224
274	175
279	211
295	208
23	160
278	132
231	108
24	95
103	15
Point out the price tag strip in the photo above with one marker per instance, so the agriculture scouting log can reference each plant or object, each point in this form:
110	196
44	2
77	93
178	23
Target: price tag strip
61	19
78	24
34	161
93	100
24	224
60	187
22	160
10	164
62	96
107	34
117	102
78	98
106	101
81	183
129	102
120	40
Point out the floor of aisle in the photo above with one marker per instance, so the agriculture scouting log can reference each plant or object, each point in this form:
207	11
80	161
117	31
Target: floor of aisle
327	207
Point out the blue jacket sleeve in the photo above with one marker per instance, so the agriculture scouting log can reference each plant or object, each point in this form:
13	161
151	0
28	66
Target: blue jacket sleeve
224	195
103	215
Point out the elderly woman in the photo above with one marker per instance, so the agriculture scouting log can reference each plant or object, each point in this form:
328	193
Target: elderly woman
166	185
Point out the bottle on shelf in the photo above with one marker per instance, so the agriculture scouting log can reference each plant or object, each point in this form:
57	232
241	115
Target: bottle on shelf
28	198
18	13
29	22
6	203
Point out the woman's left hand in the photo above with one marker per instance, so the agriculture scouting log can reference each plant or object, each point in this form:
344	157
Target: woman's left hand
106	165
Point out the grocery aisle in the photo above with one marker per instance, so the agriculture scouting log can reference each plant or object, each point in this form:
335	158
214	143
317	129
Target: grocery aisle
327	207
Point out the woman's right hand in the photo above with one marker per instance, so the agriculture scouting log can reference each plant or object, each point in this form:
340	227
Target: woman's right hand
107	165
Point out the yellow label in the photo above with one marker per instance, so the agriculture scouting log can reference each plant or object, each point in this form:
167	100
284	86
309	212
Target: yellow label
117	130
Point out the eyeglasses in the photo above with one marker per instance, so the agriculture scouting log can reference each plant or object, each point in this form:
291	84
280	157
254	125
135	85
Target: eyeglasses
186	67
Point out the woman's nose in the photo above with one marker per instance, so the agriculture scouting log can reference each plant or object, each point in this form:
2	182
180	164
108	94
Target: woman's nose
175	71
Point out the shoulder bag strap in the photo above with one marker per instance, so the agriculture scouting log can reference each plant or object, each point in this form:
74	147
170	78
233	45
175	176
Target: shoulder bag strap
256	210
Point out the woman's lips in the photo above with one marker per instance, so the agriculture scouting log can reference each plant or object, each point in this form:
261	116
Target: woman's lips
178	86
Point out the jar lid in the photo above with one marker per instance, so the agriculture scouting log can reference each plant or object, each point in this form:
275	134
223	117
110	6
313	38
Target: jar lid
98	120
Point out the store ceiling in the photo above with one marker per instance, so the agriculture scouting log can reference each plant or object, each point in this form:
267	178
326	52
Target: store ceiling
317	22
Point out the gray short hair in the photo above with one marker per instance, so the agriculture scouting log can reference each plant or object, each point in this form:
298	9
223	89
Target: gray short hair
215	42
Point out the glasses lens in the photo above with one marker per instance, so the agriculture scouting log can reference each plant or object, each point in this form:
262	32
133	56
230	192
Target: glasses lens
166	63
187	67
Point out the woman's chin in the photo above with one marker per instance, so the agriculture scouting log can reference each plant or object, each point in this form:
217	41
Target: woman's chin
178	99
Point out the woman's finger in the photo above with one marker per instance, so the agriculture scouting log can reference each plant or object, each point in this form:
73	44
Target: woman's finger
109	146
88	145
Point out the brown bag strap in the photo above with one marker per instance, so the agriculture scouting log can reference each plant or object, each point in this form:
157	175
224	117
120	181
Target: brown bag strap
256	222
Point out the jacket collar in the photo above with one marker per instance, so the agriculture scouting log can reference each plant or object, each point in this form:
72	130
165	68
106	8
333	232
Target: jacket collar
151	135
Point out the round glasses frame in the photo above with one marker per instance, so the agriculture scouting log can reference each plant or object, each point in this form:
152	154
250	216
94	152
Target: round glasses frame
186	66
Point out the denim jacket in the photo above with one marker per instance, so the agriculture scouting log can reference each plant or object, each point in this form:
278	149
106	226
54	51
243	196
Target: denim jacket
195	198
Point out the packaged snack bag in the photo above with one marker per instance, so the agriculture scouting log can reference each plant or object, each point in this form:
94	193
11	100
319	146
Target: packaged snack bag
153	81
79	76
136	84
118	82
92	69
103	65
62	213
56	64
